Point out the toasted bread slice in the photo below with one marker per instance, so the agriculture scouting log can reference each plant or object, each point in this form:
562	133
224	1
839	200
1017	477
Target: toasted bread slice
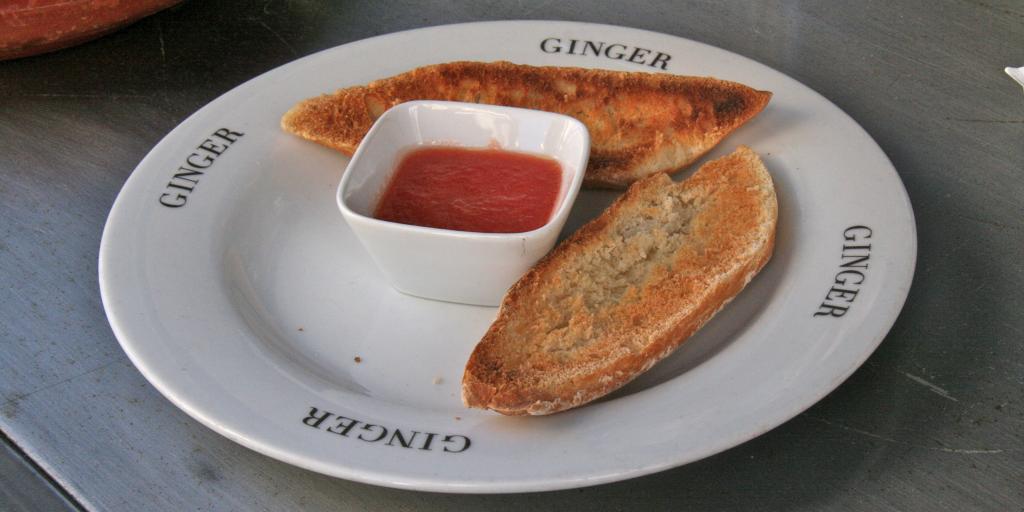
640	123
626	289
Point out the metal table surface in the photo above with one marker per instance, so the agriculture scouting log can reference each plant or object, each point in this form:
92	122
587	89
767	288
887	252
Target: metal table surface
933	421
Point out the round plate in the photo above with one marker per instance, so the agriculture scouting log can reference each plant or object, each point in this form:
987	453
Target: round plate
234	285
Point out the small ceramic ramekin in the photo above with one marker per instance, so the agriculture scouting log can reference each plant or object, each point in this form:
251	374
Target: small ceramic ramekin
448	265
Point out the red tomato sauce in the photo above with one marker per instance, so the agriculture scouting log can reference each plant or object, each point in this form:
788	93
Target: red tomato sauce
481	190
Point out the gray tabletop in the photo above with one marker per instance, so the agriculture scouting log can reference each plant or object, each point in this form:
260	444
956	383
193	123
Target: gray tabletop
933	421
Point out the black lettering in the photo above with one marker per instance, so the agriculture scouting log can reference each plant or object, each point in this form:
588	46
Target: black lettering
614	51
212	147
846	285
617	56
544	45
662	59
190	175
397	434
183	187
572	47
427	441
856	248
345	424
177	202
370	426
826	309
207	160
841	293
841	279
853	263
594	47
228	135
313	416
451	438
185	173
638	53
851	233
371	433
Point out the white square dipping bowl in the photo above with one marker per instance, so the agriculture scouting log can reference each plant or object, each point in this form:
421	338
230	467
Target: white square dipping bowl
457	266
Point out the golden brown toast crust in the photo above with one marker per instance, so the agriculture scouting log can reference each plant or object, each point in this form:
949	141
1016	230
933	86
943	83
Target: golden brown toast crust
626	289
640	123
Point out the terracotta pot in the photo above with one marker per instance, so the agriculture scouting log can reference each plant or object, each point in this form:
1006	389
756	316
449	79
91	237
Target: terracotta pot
29	27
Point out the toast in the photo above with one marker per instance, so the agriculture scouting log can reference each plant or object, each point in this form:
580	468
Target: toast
640	123
626	289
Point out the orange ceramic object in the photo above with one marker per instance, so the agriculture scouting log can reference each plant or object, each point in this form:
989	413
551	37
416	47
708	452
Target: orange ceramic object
29	27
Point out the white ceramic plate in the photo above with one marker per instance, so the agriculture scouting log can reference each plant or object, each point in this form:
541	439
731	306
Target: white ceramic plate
244	298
